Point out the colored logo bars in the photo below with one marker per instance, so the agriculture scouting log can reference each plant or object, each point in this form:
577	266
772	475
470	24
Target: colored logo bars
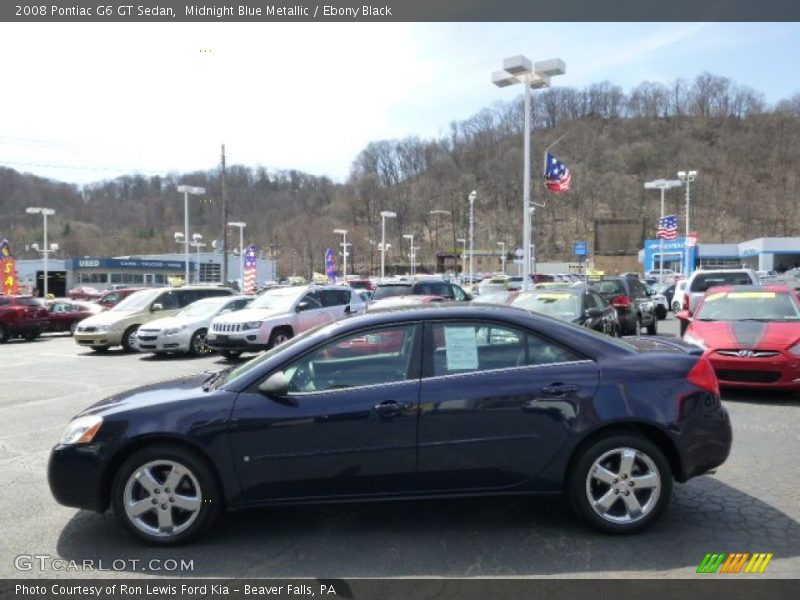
556	175
735	563
668	227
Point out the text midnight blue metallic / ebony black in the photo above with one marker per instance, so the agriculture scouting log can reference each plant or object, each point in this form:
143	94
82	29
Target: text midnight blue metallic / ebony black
411	403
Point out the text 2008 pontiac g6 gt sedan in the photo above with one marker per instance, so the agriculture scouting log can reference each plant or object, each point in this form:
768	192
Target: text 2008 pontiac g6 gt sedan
411	403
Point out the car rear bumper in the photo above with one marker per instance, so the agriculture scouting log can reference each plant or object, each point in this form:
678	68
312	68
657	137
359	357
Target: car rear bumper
779	372
703	436
75	476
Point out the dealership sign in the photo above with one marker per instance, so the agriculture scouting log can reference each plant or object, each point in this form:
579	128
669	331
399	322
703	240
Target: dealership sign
8	271
126	263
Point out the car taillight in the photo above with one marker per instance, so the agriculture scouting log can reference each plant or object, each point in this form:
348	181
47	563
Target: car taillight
685	302
702	375
621	302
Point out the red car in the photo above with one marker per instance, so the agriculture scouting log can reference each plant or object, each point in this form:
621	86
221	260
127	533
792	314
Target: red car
361	284
21	316
751	335
84	292
111	299
66	314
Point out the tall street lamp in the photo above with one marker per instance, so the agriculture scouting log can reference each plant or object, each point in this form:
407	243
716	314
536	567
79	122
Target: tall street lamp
663	185
463	242
502	255
197	244
195	191
241	225
385	214
344	244
410	237
519	69
687	177
473	194
45	212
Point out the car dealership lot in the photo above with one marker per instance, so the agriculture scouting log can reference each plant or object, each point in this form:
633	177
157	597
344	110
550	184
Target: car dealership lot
750	505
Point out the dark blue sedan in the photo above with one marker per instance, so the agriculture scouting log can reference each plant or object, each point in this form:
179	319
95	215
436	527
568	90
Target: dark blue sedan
412	403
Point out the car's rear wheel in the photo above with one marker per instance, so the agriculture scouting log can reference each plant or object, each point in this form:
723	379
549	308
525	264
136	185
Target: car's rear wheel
3	334
279	336
652	329
231	354
198	345
165	494
129	339
620	484
661	312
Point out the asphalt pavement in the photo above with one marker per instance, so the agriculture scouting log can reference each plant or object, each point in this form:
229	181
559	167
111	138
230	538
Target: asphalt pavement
752	504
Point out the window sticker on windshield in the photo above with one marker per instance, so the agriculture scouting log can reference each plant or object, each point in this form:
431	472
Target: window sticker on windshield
716	296
751	295
461	348
558	296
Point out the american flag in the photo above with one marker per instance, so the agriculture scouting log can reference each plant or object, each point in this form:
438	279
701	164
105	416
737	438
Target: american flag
668	228
249	283
556	175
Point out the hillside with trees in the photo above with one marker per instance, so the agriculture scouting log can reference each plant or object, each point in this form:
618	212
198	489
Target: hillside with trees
747	153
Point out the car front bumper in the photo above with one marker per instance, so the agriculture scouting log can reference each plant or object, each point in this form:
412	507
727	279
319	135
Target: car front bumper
75	476
779	372
97	338
248	341
157	342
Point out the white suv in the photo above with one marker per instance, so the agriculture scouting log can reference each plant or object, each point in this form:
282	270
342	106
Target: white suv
280	314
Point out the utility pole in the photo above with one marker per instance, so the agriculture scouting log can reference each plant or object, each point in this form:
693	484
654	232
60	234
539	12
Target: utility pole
224	224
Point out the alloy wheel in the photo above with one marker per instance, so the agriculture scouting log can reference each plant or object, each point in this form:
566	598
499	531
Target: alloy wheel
162	498
199	345
623	485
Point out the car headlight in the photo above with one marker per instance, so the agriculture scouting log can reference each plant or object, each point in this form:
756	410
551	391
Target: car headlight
688	337
103	328
174	330
81	430
252	324
795	349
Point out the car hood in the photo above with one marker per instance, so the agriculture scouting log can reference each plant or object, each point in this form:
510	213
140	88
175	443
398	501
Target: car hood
249	314
773	335
173	390
109	317
168	322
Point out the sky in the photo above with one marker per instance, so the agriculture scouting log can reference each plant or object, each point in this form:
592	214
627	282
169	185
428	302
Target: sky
82	102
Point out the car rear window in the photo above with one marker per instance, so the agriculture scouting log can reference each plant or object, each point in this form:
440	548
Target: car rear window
703	281
610	287
29	302
433	289
387	291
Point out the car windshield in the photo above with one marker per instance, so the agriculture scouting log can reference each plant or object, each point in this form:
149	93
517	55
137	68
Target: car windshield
202	308
387	291
136	301
748	306
278	300
561	305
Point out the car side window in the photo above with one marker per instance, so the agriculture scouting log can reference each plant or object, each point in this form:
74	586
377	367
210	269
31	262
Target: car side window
468	347
459	294
381	355
5	301
545	352
168	300
637	289
312	301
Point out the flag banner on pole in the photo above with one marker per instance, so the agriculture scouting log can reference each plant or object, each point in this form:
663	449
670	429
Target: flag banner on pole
9	284
556	175
249	284
330	265
668	227
691	239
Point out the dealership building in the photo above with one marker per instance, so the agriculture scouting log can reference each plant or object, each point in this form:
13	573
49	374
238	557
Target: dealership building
760	254
141	270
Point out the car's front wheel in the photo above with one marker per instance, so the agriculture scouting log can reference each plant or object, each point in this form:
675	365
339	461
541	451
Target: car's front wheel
620	484
198	345
165	494
129	339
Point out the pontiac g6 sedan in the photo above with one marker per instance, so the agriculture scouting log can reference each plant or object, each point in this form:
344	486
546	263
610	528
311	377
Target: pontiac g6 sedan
409	403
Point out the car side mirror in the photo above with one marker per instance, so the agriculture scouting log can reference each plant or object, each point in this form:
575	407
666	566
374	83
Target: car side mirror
157	307
347	310
274	386
683	315
593	313
302	306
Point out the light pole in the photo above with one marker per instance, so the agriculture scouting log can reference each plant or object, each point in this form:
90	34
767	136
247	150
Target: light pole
410	237
344	244
195	191
197	245
438	212
687	177
241	225
45	212
519	69
502	255
663	185
473	194
463	242
385	214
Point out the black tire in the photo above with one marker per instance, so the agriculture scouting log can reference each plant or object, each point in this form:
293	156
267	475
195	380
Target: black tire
231	354
198	483
128	342
3	334
580	485
195	347
279	336
73	327
637	327
100	349
652	329
684	326
661	313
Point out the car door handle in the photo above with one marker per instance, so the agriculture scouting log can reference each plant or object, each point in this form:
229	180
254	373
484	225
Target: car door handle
559	389
391	407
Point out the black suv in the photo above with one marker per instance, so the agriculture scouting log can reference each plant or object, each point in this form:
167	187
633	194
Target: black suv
449	291
635	309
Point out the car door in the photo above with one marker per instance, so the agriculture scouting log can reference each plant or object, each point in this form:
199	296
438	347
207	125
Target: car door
347	426
495	404
310	312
